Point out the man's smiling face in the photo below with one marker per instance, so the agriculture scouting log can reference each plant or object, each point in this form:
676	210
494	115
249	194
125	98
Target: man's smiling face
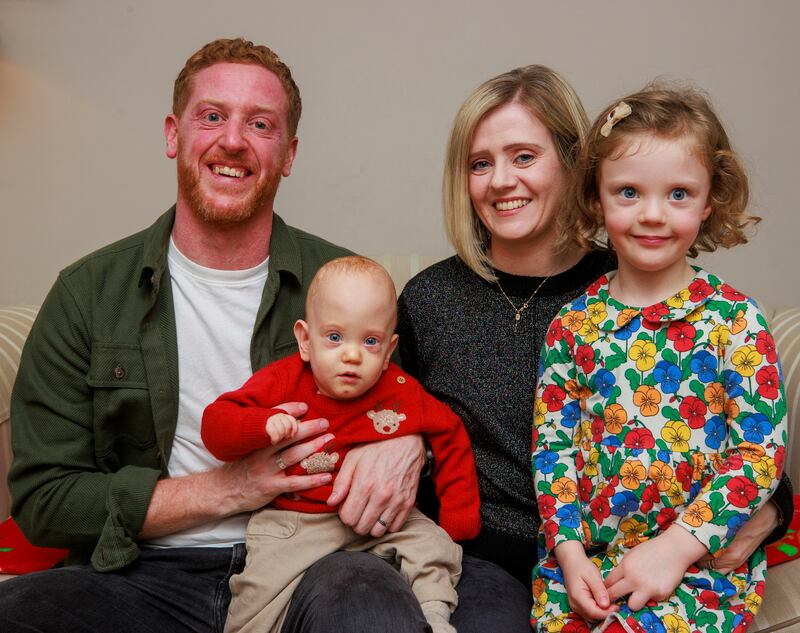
231	142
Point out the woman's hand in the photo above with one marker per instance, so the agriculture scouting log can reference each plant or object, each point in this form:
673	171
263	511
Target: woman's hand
378	483
747	540
652	570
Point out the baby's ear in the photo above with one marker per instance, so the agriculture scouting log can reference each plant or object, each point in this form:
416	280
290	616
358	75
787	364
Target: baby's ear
390	351
303	339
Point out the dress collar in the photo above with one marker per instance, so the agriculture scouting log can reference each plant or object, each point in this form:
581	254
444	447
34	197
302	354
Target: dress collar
703	287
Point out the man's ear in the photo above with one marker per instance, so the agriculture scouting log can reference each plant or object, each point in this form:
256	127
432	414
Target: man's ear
390	351
291	152
303	339
171	134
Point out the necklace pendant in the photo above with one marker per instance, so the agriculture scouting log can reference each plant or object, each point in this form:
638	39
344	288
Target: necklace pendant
517	316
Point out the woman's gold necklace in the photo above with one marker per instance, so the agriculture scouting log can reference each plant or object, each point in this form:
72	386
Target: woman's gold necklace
519	310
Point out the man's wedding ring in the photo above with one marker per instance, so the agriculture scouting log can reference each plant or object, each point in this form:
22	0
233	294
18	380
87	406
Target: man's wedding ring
279	461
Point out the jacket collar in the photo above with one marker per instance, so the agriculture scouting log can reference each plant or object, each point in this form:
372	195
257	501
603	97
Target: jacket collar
284	254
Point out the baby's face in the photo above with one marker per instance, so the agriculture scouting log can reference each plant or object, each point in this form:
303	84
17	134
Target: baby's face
350	335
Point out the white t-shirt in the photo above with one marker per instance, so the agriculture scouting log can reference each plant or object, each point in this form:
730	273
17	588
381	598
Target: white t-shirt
215	312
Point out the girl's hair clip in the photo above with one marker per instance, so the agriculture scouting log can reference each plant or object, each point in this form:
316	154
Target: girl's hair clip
620	111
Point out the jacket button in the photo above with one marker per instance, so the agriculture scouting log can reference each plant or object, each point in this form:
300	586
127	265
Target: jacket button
119	372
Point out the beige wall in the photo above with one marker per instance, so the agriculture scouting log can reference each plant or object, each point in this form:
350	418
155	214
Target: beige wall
85	85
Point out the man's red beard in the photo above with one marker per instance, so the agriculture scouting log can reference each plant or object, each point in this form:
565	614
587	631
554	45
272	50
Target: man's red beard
244	209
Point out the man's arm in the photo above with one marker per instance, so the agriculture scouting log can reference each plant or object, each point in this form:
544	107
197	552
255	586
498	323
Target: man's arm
181	503
65	493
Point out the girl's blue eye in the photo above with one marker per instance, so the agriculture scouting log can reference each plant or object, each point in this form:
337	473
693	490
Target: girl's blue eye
371	341
480	165
334	337
628	192
678	194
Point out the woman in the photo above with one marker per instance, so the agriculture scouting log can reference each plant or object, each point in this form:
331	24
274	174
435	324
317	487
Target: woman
471	326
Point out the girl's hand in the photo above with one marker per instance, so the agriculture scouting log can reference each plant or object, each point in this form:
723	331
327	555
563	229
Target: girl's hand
587	594
670	553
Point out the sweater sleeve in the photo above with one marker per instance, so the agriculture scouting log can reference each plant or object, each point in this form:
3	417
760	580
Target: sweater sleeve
556	421
454	473
234	425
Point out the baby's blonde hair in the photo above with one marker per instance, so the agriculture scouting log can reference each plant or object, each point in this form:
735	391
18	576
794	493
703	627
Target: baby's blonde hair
666	111
354	265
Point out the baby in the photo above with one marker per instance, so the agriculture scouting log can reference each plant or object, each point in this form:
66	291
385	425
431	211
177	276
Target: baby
343	372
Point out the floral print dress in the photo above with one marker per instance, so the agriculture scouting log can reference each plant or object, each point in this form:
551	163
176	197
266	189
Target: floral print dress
647	417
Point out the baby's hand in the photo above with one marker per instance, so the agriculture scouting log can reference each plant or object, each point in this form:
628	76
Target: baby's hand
670	553
281	426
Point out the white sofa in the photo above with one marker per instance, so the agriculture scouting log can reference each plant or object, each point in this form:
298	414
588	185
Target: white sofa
781	610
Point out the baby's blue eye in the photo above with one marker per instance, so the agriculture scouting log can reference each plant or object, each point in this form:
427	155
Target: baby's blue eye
678	194
628	192
334	337
370	340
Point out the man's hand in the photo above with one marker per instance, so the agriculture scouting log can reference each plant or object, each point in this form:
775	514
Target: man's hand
747	540
378	483
281	426
585	589
180	503
670	553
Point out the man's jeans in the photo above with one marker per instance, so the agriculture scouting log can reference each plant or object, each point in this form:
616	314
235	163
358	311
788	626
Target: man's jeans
182	590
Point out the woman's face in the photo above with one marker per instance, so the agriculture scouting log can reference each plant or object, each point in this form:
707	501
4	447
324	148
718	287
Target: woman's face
515	178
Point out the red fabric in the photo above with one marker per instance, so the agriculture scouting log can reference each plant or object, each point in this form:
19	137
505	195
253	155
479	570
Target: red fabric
18	556
788	548
235	425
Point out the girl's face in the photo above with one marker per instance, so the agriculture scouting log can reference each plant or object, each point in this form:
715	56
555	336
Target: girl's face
515	177
654	197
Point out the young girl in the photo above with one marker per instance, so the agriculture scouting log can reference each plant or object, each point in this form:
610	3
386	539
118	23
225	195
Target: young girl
660	417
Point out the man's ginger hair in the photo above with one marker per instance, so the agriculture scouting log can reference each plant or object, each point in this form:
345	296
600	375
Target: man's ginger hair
238	51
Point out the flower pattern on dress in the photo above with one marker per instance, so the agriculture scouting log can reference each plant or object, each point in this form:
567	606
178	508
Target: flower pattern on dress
646	417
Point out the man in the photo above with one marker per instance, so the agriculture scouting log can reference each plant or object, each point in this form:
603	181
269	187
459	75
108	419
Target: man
130	345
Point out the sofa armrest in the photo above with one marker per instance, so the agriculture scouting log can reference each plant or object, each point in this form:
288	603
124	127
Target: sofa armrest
15	323
785	327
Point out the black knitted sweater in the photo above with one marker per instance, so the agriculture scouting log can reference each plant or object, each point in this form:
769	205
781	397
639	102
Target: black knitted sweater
457	336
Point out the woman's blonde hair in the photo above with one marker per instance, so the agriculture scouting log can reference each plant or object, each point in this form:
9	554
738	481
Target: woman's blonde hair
666	111
549	98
